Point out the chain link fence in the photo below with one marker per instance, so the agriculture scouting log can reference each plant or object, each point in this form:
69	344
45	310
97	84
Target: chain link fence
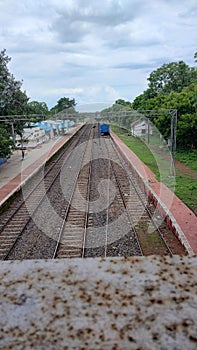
141	126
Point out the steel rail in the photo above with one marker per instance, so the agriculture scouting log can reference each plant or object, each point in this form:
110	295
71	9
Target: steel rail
87	205
107	216
39	202
68	207
144	205
125	206
51	167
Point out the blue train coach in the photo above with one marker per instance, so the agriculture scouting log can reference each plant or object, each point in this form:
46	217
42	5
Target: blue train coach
104	129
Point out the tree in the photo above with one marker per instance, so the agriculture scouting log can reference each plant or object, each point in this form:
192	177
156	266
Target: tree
12	99
6	143
140	102
62	104
119	106
173	86
187	131
169	77
35	107
186	104
122	102
195	56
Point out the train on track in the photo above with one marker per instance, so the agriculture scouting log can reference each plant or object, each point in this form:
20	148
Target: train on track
104	129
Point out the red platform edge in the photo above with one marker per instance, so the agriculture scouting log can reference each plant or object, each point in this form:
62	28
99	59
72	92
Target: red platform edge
181	220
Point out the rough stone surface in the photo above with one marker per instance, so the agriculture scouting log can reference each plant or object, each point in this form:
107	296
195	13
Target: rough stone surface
134	303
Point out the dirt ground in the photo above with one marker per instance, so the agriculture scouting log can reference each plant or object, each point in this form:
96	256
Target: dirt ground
184	170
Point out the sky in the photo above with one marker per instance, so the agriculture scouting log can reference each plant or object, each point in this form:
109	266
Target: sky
94	51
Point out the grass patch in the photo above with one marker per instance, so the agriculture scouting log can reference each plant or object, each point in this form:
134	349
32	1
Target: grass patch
159	164
186	190
188	158
157	161
139	148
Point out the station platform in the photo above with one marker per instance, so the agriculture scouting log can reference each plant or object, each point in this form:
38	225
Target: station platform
16	171
178	216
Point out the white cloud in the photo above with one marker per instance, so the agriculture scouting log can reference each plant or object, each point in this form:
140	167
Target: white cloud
64	91
94	51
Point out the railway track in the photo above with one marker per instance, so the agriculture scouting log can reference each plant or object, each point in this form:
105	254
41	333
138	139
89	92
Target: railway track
86	204
70	242
110	231
129	225
34	195
136	204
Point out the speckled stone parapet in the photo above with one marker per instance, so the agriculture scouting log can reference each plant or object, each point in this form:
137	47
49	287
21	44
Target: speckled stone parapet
134	303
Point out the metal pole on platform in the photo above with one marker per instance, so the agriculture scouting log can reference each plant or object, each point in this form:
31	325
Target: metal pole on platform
13	133
148	130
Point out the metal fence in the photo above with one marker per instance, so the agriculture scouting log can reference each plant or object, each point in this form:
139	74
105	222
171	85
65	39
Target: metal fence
142	125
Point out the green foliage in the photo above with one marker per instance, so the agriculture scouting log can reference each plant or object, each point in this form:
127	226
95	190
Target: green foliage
157	162
122	102
119	106
186	190
169	77
186	104
187	130
140	102
195	56
62	104
6	143
12	99
185	185
35	107
163	123
173	86
188	157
